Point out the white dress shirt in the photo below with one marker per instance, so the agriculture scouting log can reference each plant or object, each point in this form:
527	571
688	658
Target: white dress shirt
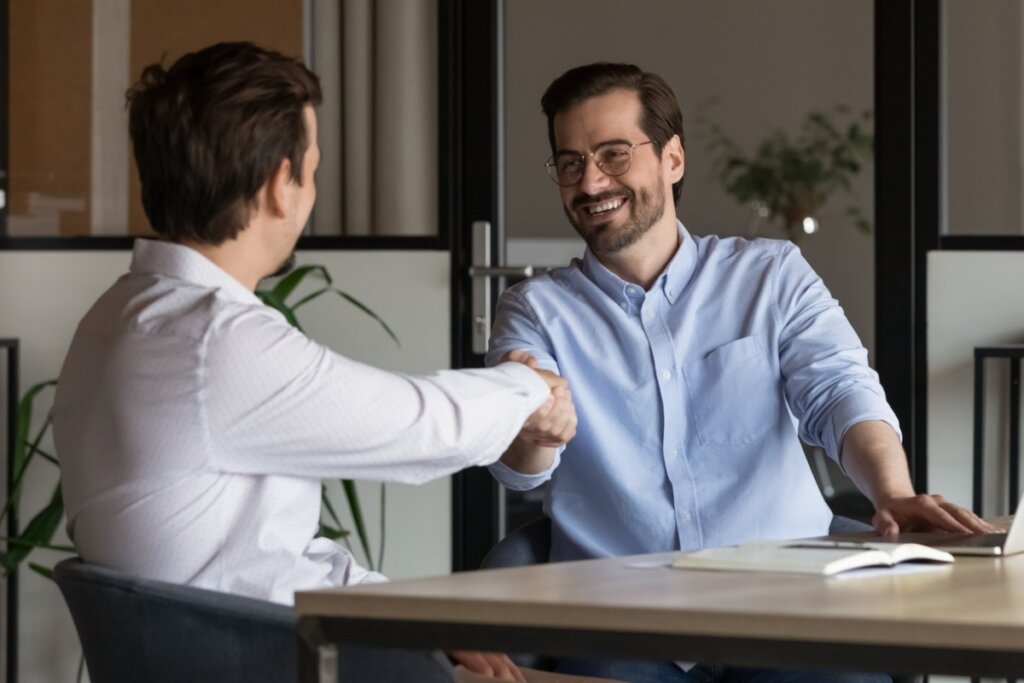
193	426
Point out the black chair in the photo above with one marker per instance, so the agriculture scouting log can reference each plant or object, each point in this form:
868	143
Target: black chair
141	630
530	544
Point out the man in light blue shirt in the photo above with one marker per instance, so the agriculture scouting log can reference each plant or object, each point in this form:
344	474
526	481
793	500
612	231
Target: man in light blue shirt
696	363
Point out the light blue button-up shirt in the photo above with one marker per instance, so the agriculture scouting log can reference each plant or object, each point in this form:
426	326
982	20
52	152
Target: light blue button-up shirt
690	396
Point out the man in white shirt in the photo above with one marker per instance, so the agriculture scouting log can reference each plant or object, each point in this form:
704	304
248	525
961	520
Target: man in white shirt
194	424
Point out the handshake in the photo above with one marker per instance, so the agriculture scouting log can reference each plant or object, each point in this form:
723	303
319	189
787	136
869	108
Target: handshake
554	423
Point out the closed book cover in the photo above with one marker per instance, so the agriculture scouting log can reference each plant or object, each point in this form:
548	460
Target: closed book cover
823	558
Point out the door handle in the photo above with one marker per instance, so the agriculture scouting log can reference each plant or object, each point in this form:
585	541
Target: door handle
483	274
504	271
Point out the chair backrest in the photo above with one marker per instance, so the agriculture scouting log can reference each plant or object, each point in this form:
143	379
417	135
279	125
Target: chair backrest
140	630
529	544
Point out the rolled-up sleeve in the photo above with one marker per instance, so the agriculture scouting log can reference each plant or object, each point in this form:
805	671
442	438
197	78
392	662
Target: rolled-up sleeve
829	385
516	329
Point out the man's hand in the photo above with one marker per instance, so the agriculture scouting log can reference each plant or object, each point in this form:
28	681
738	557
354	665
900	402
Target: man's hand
925	513
490	664
554	423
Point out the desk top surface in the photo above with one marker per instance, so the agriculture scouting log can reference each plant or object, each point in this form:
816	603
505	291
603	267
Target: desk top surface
976	602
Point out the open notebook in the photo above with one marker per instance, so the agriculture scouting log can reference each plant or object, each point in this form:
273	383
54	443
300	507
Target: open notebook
1008	543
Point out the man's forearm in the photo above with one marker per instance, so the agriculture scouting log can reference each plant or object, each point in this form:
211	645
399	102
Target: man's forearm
528	458
873	457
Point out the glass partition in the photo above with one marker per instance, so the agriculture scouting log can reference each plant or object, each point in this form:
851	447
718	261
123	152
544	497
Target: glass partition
69	171
984	146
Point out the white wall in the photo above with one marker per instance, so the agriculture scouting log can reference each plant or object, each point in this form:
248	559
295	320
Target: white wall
974	299
769	65
43	295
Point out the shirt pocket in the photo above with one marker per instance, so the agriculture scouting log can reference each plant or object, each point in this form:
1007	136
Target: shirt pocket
734	393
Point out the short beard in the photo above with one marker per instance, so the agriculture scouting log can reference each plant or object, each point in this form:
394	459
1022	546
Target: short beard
643	214
286	266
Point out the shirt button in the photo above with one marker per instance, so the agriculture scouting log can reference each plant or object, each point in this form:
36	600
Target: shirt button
666	374
675	453
685	516
671	292
625	305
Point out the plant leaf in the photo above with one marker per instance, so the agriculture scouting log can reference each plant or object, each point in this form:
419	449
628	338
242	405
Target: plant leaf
45	572
23	420
362	307
383	509
352	496
38	532
289	282
17	540
277	303
331	532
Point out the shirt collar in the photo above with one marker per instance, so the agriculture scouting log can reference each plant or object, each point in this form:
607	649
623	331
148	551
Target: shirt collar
672	280
167	259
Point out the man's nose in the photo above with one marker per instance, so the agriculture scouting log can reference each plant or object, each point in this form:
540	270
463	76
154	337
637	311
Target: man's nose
593	179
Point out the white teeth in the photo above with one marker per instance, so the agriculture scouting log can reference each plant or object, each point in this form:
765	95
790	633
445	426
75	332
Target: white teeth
607	206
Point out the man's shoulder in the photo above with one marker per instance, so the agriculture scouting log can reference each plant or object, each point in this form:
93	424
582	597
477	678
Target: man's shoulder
718	247
148	304
552	284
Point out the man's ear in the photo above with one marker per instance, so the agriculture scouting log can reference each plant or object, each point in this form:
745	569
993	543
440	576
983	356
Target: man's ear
674	157
275	191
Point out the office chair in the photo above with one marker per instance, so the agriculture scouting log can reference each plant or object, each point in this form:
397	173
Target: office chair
136	629
530	544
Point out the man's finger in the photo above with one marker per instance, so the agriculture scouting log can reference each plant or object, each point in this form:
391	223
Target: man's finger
971	520
523	357
885	524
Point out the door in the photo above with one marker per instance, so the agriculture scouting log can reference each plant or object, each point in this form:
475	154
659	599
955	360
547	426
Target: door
510	51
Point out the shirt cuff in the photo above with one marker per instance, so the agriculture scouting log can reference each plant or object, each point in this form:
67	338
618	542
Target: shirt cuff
537	389
855	409
517	481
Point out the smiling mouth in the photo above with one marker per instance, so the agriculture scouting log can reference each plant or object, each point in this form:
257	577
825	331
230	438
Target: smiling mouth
604	207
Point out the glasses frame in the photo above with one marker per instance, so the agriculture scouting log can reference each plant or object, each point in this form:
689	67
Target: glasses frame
553	169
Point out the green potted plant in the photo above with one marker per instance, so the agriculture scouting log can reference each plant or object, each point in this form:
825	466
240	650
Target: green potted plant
788	178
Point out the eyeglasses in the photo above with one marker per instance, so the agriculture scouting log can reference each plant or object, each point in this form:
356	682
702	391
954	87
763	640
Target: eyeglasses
566	168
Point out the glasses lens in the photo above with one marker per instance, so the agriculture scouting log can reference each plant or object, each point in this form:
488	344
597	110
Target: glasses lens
568	169
614	159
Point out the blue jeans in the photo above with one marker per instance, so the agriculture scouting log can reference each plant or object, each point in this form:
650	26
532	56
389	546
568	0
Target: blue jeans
668	672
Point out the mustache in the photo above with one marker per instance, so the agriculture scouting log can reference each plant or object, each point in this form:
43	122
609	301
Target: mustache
583	198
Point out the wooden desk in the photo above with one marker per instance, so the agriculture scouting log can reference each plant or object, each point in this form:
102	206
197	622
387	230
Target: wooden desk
967	618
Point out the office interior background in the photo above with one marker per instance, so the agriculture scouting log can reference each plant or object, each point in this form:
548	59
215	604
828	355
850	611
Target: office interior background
753	66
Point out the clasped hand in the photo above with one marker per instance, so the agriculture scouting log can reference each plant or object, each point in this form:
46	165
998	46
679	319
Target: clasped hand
554	423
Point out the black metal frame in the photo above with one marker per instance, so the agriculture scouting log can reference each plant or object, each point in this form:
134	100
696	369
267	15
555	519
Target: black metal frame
470	50
11	624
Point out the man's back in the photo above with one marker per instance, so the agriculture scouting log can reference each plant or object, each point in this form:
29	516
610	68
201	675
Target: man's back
145	490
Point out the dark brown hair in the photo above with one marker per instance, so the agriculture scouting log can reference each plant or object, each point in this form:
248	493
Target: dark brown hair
661	117
211	130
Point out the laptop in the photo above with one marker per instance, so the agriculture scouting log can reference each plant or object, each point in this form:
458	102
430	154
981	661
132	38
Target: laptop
1007	543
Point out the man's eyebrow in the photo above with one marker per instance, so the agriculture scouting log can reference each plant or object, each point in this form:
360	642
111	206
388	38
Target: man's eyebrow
605	143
